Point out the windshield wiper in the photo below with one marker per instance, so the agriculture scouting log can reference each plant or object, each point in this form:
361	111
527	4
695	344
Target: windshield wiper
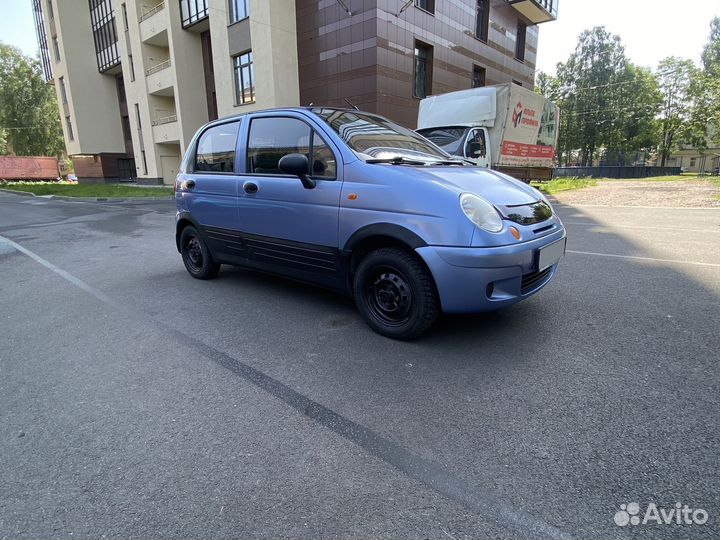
397	160
461	162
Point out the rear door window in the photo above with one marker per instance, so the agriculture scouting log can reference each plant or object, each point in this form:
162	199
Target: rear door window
216	149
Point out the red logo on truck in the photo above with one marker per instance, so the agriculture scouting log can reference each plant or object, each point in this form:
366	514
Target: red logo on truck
517	114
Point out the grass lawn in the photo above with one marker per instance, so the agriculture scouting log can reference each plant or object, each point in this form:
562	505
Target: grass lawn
89	190
563	184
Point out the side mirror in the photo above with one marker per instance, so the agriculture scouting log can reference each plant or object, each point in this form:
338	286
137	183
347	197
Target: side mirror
298	165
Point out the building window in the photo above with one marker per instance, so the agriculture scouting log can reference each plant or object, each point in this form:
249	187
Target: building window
144	161
137	116
216	149
238	10
427	5
63	90
244	78
123	8
68	125
127	131
102	21
423	70
51	13
193	11
478	77
517	82
42	39
482	19
56	48
520	41
693	161
132	67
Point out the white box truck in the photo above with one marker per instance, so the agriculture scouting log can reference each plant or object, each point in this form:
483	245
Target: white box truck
504	126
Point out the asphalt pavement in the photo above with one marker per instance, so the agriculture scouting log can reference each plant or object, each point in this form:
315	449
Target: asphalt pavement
138	402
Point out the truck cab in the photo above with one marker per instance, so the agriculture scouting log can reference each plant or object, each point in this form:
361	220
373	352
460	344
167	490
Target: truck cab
470	143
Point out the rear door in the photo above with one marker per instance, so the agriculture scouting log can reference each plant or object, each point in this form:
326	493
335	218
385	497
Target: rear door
211	185
285	226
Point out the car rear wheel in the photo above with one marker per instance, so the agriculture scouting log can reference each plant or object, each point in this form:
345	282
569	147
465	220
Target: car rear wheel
395	294
196	255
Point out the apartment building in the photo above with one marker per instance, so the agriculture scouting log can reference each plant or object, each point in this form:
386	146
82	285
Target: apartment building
136	78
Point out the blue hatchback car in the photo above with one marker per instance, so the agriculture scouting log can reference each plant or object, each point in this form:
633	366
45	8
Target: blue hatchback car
354	202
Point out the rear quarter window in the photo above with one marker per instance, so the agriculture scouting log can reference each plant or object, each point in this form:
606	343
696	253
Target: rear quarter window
215	151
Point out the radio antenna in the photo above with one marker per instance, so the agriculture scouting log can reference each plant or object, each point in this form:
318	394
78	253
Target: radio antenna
351	104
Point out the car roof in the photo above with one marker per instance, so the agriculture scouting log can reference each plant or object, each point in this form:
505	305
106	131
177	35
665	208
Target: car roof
309	108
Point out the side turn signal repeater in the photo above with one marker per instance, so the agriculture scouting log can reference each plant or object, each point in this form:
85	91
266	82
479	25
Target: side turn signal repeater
352	196
515	233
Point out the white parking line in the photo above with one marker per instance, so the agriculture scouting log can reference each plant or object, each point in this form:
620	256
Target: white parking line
713	265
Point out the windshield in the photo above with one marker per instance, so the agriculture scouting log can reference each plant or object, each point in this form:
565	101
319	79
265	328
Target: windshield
376	138
448	138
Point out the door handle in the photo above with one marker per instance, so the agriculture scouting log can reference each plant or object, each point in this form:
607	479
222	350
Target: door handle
250	188
188	184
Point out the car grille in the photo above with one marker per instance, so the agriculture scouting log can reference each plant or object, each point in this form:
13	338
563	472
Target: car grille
533	280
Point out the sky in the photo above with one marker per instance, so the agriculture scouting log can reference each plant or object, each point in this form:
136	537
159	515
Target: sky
650	29
17	26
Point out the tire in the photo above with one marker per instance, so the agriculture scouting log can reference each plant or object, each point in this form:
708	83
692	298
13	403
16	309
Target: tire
196	255
395	294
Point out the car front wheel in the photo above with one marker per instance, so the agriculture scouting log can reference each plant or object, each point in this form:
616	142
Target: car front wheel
395	294
196	255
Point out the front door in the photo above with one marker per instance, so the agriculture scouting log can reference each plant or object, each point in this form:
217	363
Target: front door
287	227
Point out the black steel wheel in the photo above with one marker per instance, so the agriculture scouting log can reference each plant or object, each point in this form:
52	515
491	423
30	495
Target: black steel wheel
395	293
196	255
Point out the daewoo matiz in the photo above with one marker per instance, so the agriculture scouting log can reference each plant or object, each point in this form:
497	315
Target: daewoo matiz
351	201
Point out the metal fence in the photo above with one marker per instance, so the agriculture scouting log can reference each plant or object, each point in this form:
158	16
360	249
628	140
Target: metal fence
630	171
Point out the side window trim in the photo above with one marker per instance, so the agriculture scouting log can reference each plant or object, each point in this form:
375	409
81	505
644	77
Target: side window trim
313	130
191	168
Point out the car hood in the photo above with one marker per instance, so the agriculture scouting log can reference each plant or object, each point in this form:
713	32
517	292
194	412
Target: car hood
495	187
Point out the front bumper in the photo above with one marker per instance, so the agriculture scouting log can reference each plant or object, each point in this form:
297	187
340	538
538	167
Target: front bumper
477	279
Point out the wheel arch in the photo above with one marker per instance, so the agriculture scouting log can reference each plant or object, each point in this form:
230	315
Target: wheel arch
376	236
183	220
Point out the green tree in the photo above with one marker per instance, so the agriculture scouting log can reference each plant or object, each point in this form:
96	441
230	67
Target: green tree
703	125
28	106
606	103
675	78
711	51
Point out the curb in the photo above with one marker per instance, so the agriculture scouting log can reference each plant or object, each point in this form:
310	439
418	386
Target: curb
85	199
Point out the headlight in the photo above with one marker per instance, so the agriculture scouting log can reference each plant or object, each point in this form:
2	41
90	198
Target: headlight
481	212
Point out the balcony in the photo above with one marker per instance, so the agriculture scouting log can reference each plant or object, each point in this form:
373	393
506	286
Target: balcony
149	12
536	11
153	25
160	79
194	15
166	129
